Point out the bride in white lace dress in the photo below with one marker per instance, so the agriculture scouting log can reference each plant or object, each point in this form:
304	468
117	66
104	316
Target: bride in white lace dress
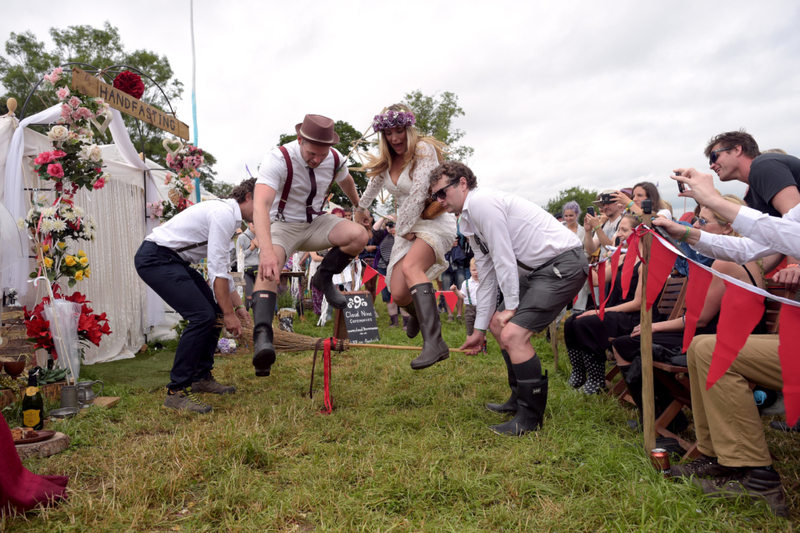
403	166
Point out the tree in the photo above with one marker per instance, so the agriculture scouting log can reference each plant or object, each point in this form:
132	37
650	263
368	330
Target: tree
347	136
434	116
584	197
27	60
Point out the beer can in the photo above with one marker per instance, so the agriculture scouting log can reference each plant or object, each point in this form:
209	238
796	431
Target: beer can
660	459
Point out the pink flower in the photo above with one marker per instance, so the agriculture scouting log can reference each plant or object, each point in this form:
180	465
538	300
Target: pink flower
44	158
168	179
100	183
55	170
62	93
58	154
65	111
74	102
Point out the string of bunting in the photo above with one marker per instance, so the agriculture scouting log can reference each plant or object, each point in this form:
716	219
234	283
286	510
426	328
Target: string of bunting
741	309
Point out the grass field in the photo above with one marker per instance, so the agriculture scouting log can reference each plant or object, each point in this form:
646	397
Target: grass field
403	450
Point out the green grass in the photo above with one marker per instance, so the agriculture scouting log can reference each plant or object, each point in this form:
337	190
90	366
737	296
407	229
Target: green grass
403	450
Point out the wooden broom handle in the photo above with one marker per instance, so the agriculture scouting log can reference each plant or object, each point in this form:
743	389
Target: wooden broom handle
395	347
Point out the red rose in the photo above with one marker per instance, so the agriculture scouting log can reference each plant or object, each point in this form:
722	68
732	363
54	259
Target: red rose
128	82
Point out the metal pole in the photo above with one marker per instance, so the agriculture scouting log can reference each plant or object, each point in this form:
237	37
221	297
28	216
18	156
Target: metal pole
648	396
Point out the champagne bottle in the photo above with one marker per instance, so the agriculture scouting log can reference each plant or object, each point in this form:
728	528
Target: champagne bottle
33	405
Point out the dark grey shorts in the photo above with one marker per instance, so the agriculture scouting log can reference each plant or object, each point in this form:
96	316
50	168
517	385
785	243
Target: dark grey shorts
544	292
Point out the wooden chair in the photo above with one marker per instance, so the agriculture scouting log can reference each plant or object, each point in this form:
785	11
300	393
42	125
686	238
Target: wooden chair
672	303
676	378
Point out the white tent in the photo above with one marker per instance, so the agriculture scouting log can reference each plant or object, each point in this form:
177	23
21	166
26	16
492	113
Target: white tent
119	213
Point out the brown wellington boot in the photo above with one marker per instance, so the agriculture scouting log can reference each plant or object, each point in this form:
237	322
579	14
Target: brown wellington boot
434	349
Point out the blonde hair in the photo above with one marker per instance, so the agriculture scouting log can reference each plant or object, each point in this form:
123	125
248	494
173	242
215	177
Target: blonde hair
377	164
732	198
472	263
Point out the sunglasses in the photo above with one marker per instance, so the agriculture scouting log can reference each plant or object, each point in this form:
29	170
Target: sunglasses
441	194
713	157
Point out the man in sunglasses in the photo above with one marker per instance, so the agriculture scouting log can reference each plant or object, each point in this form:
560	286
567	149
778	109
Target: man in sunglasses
539	266
773	181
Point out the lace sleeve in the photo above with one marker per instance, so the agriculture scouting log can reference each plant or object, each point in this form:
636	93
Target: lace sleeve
373	188
412	208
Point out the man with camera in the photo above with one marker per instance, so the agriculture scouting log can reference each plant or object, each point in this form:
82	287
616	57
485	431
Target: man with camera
608	222
539	266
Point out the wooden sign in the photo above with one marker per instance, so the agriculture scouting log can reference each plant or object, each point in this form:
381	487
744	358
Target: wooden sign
94	87
357	320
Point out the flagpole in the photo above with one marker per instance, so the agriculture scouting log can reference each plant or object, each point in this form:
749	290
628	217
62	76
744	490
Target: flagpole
194	97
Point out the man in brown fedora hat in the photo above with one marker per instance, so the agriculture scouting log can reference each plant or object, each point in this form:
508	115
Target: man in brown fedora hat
298	175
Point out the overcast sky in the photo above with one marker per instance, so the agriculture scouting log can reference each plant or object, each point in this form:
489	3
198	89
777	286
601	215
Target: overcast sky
592	94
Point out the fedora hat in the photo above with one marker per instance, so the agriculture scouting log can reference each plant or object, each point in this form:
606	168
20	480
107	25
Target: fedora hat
317	129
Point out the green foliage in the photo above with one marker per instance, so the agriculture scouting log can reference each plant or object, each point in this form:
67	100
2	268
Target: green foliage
435	116
584	197
347	136
27	60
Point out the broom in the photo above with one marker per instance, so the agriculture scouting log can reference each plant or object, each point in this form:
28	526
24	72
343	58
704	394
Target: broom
285	341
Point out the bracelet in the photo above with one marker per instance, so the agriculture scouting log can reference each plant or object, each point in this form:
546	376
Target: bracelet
684	319
686	235
479	329
792	265
597	227
238	307
629	205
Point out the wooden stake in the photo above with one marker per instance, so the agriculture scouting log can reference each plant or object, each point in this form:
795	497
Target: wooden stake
648	396
554	343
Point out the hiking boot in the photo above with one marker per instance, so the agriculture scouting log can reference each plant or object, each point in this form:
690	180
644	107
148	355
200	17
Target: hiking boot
185	400
212	386
450	318
762	483
393	321
703	466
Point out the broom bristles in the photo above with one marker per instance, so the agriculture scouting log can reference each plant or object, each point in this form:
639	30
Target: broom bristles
286	341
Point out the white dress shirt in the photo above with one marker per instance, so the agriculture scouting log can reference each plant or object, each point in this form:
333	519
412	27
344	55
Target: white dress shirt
212	221
764	235
511	229
273	172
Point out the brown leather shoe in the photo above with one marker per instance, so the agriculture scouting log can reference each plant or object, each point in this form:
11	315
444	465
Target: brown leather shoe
703	466
755	483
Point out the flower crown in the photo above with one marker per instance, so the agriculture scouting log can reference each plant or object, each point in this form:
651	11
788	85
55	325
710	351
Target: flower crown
393	119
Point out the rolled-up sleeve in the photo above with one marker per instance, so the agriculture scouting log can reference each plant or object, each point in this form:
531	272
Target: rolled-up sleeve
221	225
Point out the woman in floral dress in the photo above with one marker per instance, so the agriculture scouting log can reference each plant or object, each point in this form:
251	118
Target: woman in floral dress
402	166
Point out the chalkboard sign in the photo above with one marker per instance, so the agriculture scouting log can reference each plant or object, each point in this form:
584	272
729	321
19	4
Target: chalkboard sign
358	319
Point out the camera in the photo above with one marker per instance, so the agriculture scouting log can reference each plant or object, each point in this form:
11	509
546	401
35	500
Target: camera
590	210
606	199
647	206
681	186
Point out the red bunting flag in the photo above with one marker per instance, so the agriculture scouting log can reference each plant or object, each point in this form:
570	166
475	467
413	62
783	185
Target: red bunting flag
698	283
601	310
740	312
630	263
601	288
449	297
381	283
369	273
790	363
658	269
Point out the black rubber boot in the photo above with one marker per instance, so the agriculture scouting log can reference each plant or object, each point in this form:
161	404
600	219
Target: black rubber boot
434	349
511	404
531	402
263	313
595	375
393	321
412	326
333	263
577	358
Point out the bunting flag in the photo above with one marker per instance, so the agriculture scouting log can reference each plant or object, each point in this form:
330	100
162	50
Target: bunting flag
658	269
601	288
740	312
381	283
601	310
630	263
699	280
369	273
790	363
449	297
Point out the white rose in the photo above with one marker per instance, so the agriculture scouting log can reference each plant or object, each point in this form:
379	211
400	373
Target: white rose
91	152
58	133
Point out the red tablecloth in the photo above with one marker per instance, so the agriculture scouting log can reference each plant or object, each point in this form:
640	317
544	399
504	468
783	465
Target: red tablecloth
20	488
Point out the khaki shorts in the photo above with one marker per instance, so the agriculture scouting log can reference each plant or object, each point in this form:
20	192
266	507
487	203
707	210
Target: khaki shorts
294	236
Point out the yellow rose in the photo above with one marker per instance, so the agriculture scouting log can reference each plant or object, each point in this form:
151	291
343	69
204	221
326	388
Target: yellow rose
83	260
48	263
45	248
79	275
81	253
87	272
69	260
62	245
